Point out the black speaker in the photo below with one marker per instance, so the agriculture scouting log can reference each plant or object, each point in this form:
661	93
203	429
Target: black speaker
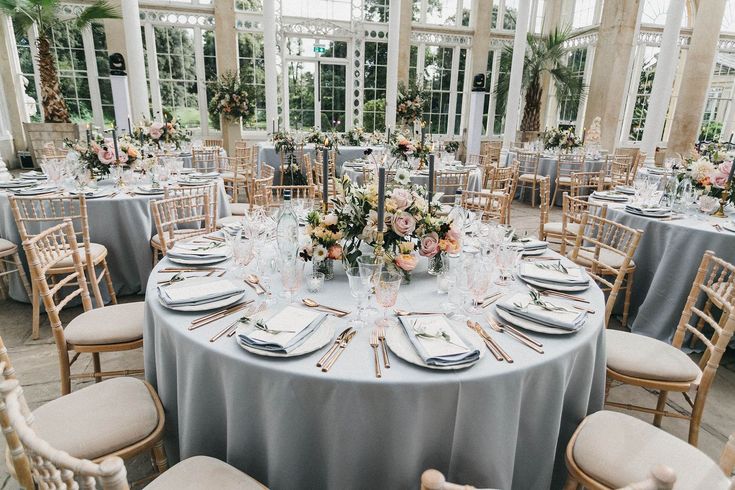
478	83
117	64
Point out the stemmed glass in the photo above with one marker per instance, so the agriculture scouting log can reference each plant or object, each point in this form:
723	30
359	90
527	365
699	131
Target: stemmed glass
479	279
292	272
370	268
386	292
242	249
507	257
359	290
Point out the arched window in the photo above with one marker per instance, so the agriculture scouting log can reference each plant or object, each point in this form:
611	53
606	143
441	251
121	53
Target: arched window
654	12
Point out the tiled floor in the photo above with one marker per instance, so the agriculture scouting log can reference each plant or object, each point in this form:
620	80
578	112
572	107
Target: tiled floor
37	366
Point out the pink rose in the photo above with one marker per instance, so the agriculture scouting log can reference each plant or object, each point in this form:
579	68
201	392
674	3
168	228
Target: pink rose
335	252
402	198
156	130
106	156
406	262
429	245
719	177
454	234
403	224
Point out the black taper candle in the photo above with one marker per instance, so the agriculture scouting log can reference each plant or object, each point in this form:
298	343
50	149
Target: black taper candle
381	199
114	142
431	178
325	178
130	128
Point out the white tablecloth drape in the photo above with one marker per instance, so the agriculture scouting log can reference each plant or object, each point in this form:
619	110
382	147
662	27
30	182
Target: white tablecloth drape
290	425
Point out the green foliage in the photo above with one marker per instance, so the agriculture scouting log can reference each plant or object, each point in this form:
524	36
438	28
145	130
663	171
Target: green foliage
230	97
46	14
711	131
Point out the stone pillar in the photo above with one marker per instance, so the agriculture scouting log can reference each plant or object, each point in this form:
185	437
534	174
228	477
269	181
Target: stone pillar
697	75
663	81
552	20
480	21
611	69
271	71
225	37
513	105
404	43
394	51
124	36
13	91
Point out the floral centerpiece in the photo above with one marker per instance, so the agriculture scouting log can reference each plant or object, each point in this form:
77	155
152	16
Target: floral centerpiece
230	97
356	136
99	155
708	177
562	139
402	148
324	245
410	103
285	145
169	131
451	146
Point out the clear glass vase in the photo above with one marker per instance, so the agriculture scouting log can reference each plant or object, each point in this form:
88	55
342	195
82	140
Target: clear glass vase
437	264
326	267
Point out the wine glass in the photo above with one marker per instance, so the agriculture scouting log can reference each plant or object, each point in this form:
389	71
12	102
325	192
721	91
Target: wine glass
242	249
386	292
292	271
370	268
479	279
507	257
359	290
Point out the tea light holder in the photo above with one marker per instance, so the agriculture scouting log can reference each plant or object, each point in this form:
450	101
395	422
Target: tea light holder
315	282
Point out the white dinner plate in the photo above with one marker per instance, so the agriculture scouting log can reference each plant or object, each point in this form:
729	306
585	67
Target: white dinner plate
555	286
17	184
532	326
39	191
199	261
729	225
399	343
323	335
647	215
95	194
222	303
147	191
532	253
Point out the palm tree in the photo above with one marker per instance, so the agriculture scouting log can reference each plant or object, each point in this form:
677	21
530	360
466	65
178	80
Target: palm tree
544	54
45	15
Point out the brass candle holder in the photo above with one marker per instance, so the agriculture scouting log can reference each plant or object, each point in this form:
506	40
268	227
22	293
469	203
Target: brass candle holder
720	213
379	251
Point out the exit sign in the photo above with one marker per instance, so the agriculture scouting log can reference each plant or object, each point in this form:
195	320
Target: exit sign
318	48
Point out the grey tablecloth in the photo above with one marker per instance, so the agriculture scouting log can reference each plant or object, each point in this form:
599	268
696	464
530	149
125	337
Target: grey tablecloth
268	155
123	224
474	180
667	260
289	425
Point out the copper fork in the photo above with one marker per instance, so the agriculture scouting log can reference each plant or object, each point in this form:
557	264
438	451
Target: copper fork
376	359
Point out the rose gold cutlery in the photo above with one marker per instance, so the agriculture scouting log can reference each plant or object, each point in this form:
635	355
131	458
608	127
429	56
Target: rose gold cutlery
336	343
338	352
335	311
519	336
414	313
384	347
551	292
217	315
376	359
490	343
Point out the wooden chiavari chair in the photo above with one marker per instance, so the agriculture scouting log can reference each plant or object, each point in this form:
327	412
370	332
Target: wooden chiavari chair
448	182
584	183
213	143
206	160
605	249
434	480
240	170
286	160
10	263
493	207
528	162
479	160
652	364
34	213
319	181
614	450
491	151
544	200
106	329
259	195
241	145
619	171
211	190
180	218
297	192
564	232
504	180
566	165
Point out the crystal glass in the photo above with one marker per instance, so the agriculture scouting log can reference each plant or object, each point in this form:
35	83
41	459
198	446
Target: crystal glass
480	278
292	272
370	268
386	292
507	258
359	290
315	282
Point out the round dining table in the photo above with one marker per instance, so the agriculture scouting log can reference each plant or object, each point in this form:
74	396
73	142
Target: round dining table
123	223
667	260
288	424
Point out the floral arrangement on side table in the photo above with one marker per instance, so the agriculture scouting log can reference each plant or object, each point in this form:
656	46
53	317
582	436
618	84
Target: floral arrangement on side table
169	131
563	139
230	97
410	103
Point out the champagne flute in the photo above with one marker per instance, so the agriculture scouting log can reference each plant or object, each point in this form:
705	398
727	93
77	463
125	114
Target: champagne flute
386	293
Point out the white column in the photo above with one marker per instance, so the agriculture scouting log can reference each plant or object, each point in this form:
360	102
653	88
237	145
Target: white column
271	72
513	104
490	129
135	63
394	42
663	81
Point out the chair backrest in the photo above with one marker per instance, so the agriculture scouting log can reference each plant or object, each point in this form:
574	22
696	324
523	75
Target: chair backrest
528	162
44	252
434	480
210	190
319	179
51	468
545	198
620	169
180	218
494	207
240	145
479	160
504	179
567	164
213	143
600	246
572	211
297	192
259	195
206	159
448	182
711	303
297	157
491	150
585	182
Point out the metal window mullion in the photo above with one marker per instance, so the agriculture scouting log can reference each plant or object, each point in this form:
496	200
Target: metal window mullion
153	75
453	90
92	76
633	97
201	82
588	63
493	98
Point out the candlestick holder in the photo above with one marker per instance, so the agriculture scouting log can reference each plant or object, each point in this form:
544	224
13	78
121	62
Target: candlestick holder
720	213
325	207
379	251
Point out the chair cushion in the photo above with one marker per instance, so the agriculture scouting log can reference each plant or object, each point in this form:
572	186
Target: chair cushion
229	175
530	177
95	249
555	228
564	179
156	242
239	208
109	325
204	472
645	357
607	257
99	419
7	247
617	449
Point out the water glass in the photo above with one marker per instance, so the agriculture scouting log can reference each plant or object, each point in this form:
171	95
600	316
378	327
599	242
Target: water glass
507	258
386	292
292	272
359	290
370	268
315	282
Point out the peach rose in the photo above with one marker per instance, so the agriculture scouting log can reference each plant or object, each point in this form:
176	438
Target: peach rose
335	252
406	262
402	198
156	130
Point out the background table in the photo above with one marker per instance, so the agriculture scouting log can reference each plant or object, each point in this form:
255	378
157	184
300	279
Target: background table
286	423
123	224
667	260
267	154
474	180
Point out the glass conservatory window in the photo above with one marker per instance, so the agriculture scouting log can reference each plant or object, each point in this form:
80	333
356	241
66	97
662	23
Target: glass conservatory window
584	13
25	57
510	14
645	85
249	5
503	68
438	73
68	47
209	55
252	67
728	20
538	21
442	12
376	10
301	81
374	90
175	56
460	91
103	73
488	78
655	11
719	98
569	106
325	9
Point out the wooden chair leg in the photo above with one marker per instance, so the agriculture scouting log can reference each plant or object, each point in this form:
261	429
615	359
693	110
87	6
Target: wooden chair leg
160	461
571	483
4	281
553	198
660	406
65	373
533	194
696	420
22	274
628	294
108	282
93	281
97	366
608	385
36	321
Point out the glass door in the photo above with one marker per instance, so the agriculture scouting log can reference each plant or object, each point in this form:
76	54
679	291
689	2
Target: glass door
331	96
302	100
